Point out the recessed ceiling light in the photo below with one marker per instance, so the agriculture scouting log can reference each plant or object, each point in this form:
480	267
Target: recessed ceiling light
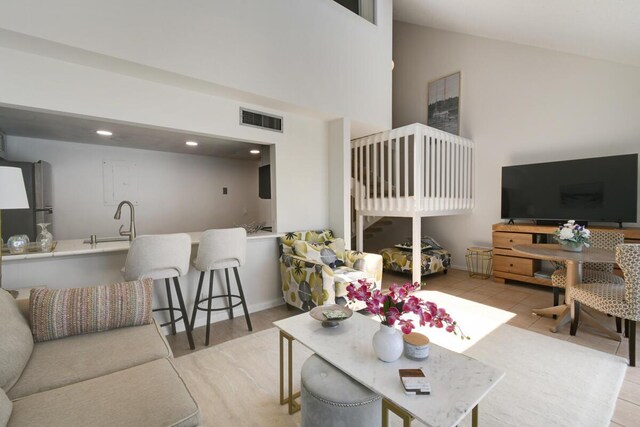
255	151
191	143
104	132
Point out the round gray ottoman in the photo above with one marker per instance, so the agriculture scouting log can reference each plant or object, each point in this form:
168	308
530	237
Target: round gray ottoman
332	399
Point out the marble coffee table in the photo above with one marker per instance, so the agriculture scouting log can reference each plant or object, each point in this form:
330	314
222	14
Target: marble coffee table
458	382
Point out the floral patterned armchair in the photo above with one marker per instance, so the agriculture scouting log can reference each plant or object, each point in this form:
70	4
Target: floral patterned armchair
315	269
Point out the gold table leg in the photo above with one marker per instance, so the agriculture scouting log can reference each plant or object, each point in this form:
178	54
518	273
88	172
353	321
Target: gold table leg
390	406
291	396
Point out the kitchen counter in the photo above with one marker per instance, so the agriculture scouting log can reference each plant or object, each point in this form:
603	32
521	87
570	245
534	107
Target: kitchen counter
77	247
76	264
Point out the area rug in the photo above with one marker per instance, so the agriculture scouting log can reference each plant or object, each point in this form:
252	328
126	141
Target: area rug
548	381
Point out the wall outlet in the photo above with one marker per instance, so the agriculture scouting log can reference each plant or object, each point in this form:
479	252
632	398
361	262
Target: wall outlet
224	190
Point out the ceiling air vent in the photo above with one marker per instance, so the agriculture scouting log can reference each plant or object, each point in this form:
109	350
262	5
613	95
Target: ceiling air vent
260	120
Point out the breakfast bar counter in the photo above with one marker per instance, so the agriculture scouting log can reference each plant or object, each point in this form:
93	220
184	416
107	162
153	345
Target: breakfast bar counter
76	264
78	247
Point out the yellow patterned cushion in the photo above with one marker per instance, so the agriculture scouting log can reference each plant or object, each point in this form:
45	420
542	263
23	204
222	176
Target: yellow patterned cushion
338	246
58	313
317	252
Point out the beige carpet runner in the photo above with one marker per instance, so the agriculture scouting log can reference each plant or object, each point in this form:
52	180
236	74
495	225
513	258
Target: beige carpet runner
548	382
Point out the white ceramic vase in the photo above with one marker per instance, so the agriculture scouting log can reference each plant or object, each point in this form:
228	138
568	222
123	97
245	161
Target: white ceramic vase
387	343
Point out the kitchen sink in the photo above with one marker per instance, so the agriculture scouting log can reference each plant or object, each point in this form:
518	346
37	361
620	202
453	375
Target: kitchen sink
107	239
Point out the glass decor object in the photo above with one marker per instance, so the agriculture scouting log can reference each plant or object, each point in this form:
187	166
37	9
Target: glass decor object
18	244
45	238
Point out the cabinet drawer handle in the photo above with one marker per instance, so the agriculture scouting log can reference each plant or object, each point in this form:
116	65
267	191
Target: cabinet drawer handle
510	265
510	240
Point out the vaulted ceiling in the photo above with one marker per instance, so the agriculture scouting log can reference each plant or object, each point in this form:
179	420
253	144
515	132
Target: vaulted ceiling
602	29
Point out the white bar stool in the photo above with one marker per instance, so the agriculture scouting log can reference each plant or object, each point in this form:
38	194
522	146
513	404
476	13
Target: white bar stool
221	249
162	256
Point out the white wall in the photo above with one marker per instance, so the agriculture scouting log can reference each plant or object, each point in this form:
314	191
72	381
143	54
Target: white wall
176	192
520	104
35	81
314	54
340	179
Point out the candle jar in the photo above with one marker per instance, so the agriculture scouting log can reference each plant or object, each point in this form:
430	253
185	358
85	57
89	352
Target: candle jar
416	346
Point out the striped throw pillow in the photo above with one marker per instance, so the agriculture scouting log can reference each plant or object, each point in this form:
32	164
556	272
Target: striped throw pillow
58	313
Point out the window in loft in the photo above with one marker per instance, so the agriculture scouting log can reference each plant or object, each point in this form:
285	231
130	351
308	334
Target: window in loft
363	8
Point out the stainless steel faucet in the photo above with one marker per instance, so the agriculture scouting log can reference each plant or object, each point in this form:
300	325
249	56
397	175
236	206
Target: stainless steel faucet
132	224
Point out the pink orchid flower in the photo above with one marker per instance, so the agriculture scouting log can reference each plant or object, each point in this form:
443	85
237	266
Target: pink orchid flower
399	301
412	305
393	314
406	326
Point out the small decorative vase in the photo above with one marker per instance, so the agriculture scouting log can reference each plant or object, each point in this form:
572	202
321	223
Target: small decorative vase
18	244
570	246
387	343
45	238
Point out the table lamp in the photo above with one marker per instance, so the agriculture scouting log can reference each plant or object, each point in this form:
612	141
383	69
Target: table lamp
13	195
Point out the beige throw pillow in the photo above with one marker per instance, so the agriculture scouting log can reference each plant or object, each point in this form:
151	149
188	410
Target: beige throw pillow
58	313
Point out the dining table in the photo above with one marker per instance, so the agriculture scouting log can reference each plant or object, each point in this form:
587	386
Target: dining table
573	262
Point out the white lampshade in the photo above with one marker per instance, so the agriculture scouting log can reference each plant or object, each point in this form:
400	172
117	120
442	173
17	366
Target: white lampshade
12	192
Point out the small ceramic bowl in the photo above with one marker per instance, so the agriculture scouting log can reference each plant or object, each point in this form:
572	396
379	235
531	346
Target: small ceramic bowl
416	346
318	314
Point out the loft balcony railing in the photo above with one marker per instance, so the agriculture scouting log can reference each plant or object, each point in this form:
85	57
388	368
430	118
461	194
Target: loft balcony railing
413	170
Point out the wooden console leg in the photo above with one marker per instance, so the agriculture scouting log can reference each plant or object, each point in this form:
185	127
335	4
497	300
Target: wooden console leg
499	280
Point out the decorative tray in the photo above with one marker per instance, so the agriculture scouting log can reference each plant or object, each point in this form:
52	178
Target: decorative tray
32	248
331	315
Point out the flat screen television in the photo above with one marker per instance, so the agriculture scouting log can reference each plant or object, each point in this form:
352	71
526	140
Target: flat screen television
601	189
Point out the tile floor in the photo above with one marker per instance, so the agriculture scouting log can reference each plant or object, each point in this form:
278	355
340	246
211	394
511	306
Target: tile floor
517	298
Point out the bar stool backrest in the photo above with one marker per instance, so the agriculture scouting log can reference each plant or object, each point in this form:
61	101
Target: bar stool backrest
222	248
158	256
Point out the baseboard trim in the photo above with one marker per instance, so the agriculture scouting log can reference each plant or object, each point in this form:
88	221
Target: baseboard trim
201	319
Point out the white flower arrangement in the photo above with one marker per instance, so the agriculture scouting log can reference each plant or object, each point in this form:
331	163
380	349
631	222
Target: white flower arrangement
573	234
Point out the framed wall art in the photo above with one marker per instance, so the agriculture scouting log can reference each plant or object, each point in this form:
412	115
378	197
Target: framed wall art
443	101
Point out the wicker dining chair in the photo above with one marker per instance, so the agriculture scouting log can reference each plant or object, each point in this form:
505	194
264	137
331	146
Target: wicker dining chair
611	298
